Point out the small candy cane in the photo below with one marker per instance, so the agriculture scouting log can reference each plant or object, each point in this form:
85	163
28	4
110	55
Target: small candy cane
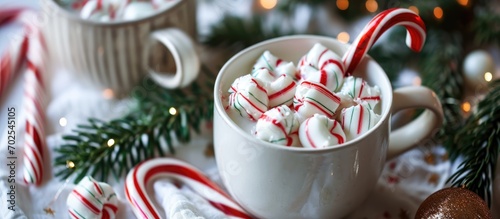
144	173
415	37
31	49
12	60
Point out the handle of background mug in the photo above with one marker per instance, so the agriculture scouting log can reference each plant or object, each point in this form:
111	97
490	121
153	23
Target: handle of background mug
427	123
186	59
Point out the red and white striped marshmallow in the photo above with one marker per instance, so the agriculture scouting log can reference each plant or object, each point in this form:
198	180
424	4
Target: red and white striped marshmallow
146	172
281	91
322	65
415	37
248	97
357	120
92	199
278	125
320	132
311	98
102	10
359	91
275	67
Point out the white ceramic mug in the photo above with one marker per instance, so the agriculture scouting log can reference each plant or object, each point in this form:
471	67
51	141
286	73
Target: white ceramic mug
118	54
273	181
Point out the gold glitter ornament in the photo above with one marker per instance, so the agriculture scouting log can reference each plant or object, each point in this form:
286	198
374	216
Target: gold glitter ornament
453	203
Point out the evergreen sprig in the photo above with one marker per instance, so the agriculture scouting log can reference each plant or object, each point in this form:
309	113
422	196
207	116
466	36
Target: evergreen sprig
486	27
440	64
236	33
479	144
161	117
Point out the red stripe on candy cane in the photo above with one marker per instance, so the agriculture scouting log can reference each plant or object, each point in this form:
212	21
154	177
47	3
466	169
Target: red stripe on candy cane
30	49
147	171
415	37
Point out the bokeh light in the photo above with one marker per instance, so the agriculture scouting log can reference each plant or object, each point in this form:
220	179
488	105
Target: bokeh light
438	12
342	4
343	37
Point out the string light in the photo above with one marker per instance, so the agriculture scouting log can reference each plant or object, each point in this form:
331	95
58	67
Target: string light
343	37
438	12
371	5
463	2
488	76
63	122
172	111
70	164
466	107
108	93
414	9
342	4
268	4
111	142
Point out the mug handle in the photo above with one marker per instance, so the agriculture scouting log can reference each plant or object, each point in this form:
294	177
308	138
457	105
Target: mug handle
429	122
182	48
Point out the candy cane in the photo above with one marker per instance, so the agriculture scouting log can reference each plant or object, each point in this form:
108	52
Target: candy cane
415	37
30	50
12	60
146	172
92	199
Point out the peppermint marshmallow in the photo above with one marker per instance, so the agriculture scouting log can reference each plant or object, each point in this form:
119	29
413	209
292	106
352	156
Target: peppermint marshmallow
281	91
274	66
359	90
248	97
311	98
101	10
92	199
278	125
138	10
358	119
320	132
322	65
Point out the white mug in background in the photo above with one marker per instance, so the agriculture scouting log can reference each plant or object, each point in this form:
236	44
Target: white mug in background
273	181
117	55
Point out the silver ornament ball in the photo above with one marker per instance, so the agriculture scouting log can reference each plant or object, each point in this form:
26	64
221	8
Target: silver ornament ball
477	68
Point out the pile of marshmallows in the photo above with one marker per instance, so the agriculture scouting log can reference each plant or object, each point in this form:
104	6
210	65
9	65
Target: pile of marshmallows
114	10
312	105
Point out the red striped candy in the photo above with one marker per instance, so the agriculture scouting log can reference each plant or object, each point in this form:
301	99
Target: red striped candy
311	98
148	171
278	125
415	37
92	199
321	132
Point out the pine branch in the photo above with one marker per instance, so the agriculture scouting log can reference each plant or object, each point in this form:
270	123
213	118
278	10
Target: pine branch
238	33
100	148
480	146
390	55
440	61
486	27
